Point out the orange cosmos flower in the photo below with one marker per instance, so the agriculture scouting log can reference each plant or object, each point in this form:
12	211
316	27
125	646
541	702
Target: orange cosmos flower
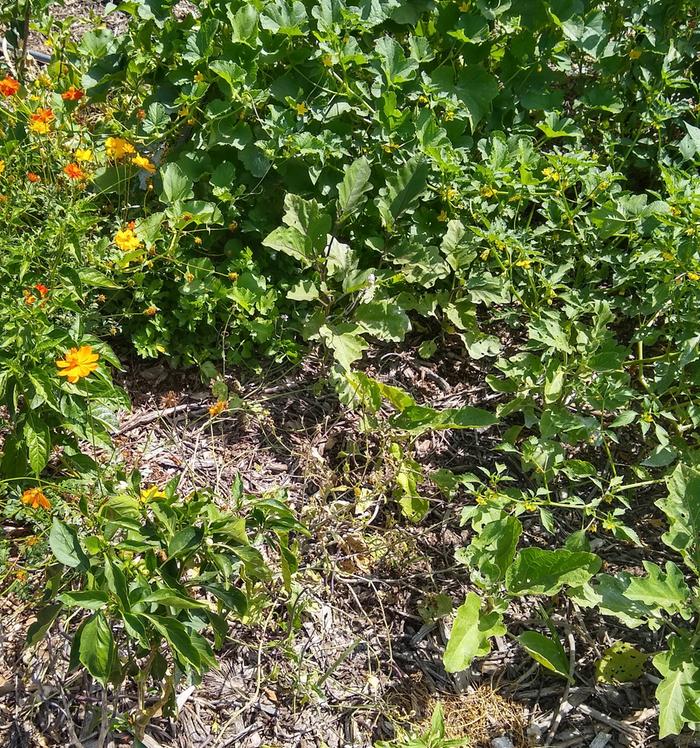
32	177
29	297
72	94
42	289
9	86
78	363
218	408
73	171
35	499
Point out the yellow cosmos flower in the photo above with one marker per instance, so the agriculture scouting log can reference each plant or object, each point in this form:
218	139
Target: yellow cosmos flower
143	163
78	363
151	494
35	499
127	240
118	148
39	126
83	154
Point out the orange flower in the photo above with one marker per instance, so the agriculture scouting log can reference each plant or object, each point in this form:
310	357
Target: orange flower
40	121
34	498
218	408
32	177
72	94
78	363
42	289
29	297
73	171
9	86
151	311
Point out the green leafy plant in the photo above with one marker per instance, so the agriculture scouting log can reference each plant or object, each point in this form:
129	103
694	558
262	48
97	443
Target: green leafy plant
143	575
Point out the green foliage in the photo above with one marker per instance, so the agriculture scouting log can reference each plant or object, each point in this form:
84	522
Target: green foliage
144	576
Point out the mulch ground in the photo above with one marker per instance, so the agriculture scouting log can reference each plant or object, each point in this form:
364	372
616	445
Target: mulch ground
355	659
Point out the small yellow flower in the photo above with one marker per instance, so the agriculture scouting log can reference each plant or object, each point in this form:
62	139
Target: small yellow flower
550	174
83	154
31	540
2	166
442	216
78	363
151	494
693	276
675	211
668	256
233	277
35	499
143	163
481	500
449	116
40	127
232	226
21	575
118	148
526	264
390	146
218	408
151	311
327	61
127	240
464	7
198	240
529	506
301	109
423	100
647	418
199	78
634	54
487	191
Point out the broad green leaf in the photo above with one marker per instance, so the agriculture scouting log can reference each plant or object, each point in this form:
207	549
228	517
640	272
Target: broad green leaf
472	91
422	418
471	634
66	547
38	439
185	541
383	319
396	67
89	599
44	620
354	185
172	598
97	648
176	186
658	590
621	663
607	594
682	509
536	571
343	342
178	637
244	26
403	190
286	17
547	651
232	598
680	685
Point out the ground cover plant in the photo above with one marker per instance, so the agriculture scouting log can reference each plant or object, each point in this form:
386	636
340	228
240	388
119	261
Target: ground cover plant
232	186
